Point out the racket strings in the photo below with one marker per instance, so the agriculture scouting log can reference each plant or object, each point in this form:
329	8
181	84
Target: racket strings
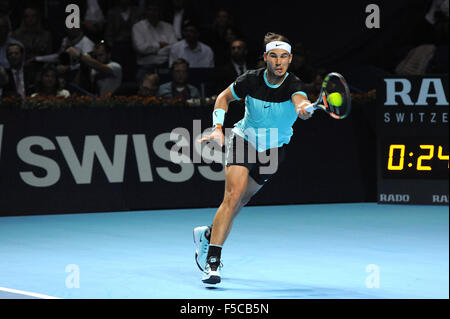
335	85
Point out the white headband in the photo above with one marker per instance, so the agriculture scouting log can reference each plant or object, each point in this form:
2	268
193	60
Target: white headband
278	45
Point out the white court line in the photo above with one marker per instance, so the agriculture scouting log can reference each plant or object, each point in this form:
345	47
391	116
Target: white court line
27	293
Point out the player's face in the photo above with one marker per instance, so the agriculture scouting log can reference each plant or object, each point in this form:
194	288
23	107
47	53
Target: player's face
278	61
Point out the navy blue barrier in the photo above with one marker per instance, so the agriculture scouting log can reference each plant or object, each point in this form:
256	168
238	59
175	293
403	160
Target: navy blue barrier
96	159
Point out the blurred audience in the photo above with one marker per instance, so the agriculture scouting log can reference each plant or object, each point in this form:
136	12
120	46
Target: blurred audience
416	61
152	39
300	65
179	86
219	36
431	55
119	22
142	43
237	65
149	86
177	13
48	83
36	40
196	53
94	18
103	75
67	66
313	88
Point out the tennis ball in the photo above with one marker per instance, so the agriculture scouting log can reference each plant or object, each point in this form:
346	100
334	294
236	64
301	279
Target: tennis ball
335	99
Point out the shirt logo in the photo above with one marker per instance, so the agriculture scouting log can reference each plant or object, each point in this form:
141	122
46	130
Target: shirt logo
266	106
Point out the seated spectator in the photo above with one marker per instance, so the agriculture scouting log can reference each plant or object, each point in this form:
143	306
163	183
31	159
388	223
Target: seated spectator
149	86
237	65
105	76
179	87
5	39
66	66
119	22
198	54
48	83
152	39
19	81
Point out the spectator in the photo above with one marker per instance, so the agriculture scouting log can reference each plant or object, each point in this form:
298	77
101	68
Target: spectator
198	54
94	19
48	83
300	65
178	12
237	65
19	82
68	67
119	22
179	87
5	39
105	76
152	39
220	35
149	86
32	35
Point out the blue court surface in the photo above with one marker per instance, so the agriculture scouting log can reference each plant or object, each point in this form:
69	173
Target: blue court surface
328	251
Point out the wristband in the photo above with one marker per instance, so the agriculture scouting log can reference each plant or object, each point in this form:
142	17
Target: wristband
218	116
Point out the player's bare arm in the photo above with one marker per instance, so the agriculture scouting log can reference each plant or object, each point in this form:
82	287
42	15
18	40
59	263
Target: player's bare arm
301	103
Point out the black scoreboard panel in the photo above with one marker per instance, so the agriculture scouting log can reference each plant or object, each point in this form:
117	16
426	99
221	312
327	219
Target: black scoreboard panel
412	140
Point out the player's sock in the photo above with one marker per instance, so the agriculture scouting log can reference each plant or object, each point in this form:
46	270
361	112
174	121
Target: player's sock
214	254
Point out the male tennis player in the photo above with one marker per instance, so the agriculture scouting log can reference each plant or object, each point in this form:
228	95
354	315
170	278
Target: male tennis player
273	101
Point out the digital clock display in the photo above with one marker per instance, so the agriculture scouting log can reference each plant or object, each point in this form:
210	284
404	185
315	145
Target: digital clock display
412	140
412	158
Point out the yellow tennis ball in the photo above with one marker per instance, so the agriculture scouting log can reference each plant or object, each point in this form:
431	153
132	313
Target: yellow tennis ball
335	98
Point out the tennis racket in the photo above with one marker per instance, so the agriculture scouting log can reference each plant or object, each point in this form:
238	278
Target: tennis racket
334	97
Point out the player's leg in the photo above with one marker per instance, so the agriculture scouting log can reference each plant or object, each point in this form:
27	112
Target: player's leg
252	188
236	178
202	234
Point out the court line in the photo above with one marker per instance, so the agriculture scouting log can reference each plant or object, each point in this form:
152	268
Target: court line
27	293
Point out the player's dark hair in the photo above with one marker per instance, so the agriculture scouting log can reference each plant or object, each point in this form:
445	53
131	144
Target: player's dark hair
270	36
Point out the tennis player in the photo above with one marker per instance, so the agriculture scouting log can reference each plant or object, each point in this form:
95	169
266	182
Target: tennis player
274	99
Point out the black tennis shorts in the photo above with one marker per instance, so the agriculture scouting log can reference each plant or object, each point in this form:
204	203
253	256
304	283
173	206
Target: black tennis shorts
261	165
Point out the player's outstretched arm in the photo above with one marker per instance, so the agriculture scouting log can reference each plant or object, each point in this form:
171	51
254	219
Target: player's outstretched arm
220	108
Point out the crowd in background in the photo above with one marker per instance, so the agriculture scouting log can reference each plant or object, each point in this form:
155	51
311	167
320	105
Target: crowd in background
148	48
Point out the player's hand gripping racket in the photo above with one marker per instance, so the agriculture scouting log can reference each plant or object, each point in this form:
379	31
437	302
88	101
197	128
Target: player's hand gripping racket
334	97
